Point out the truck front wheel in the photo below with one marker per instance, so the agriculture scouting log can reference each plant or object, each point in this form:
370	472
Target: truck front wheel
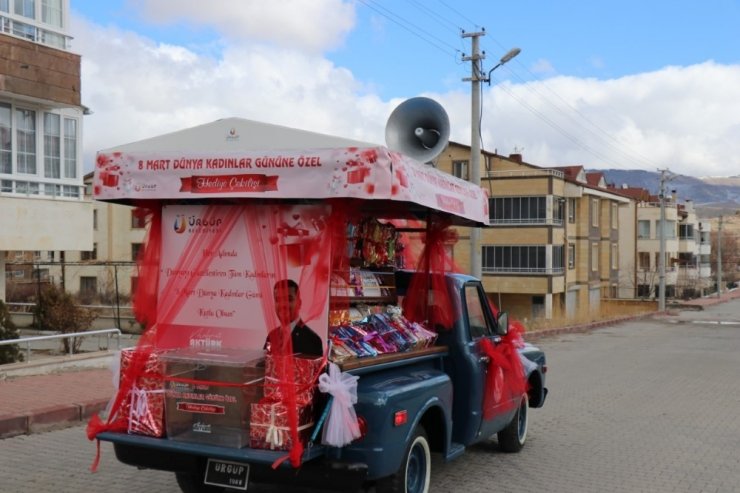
512	438
414	473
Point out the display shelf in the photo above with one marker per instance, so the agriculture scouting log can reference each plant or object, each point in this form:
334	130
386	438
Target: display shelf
391	359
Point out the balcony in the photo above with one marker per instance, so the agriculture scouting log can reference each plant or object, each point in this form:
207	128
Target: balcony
29	32
526	173
553	271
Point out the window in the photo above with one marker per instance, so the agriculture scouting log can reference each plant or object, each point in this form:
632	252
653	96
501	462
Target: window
516	259
594	257
643	229
138	221
615	216
52	146
70	148
95	219
669	230
571	210
135	248
643	259
558	203
4	6
557	258
26	8
460	169
571	256
88	285
518	210
51	12
686	231
615	256
26	137
92	255
6	129
134	284
476	315
595	212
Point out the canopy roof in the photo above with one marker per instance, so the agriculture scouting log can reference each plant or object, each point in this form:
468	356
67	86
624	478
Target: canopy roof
240	159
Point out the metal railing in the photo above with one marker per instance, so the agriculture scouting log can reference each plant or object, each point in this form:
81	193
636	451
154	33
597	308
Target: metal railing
28	340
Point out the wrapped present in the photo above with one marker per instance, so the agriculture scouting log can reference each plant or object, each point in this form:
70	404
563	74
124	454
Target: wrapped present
208	395
268	428
305	372
143	408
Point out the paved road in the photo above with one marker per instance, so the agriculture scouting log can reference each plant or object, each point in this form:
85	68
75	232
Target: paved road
649	406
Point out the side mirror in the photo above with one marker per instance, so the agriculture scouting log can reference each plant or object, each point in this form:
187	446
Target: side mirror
503	323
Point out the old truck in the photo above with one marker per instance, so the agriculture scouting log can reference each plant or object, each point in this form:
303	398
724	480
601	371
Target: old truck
477	381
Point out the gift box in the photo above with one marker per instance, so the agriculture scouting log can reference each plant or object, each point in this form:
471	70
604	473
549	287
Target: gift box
208	395
143	408
305	372
269	428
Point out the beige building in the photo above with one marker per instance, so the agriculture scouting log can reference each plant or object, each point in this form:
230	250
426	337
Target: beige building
554	248
41	189
687	247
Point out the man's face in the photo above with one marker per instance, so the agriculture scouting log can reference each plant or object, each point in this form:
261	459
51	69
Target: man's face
287	304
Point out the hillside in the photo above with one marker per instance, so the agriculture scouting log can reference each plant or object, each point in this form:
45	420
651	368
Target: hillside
712	196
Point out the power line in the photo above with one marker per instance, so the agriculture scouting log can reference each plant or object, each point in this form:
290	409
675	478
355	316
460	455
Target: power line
410	27
453	9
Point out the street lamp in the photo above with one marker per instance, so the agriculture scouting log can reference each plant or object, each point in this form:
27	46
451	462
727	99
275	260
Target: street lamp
475	261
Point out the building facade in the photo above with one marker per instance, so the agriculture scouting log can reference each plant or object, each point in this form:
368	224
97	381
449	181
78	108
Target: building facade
41	183
553	249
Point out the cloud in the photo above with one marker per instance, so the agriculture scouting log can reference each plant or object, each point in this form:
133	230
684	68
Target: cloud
682	118
312	25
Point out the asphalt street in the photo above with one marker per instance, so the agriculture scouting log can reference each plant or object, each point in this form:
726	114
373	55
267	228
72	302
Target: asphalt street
645	406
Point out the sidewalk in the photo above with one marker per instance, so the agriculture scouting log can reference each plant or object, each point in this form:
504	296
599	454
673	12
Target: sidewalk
29	404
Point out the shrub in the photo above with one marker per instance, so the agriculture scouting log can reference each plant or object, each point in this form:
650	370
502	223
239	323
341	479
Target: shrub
8	330
58	311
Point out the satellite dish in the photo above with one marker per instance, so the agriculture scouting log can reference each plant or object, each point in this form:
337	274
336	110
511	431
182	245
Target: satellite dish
419	128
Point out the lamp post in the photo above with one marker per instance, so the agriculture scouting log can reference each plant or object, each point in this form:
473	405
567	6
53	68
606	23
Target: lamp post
475	79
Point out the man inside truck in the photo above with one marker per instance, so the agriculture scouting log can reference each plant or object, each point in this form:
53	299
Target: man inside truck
287	307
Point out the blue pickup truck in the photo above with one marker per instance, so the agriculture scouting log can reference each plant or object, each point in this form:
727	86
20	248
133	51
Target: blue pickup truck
409	406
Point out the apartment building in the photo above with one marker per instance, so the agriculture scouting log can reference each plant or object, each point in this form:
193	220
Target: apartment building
687	247
41	187
553	249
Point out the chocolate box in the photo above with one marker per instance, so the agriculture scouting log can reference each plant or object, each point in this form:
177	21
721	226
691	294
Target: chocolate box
208	394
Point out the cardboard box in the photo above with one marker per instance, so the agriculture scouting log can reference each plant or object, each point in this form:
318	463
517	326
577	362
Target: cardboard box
208	395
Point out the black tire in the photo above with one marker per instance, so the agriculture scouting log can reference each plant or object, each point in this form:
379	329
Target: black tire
511	439
193	483
414	475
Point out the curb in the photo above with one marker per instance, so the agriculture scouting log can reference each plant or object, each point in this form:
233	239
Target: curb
49	418
587	327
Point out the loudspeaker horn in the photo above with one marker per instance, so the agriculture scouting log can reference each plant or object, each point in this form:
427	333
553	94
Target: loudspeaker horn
418	127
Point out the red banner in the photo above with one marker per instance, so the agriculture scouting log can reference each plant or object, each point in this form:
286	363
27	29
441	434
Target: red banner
195	407
450	204
228	183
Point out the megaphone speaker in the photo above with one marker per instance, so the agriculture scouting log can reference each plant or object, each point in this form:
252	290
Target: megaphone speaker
418	127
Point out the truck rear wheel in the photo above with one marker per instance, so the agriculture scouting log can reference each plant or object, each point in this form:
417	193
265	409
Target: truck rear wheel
193	483
512	438
415	471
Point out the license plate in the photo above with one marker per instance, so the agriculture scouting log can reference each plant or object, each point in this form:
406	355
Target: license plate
227	474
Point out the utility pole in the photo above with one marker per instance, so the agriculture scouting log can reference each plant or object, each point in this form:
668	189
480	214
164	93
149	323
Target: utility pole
719	258
661	237
475	113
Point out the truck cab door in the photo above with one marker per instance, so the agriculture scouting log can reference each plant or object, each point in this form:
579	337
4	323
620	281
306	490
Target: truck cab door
482	324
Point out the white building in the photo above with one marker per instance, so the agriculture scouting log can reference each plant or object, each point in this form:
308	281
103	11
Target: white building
42	205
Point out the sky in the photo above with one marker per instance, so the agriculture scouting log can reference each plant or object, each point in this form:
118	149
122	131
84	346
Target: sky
621	85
